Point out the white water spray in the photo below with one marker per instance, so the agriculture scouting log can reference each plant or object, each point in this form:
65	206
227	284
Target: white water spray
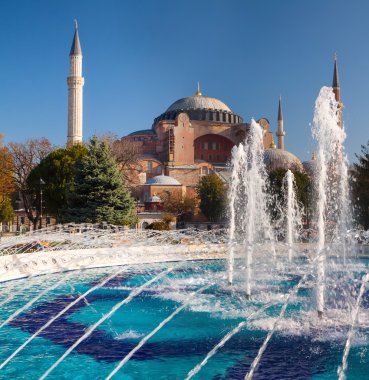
237	161
292	212
355	313
249	222
331	181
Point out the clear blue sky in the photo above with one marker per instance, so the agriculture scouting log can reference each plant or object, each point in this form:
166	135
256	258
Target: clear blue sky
141	56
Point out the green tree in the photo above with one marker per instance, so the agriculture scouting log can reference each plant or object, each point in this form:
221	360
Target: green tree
6	211
99	193
361	186
57	172
303	184
212	194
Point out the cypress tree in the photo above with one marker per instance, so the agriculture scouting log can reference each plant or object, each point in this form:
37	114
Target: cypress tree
99	193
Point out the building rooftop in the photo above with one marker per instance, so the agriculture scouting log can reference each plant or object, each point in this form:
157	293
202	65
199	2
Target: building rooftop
281	159
162	180
143	132
198	102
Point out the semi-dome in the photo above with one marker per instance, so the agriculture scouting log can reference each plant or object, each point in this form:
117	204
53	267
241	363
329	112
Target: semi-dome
162	180
281	159
142	132
198	102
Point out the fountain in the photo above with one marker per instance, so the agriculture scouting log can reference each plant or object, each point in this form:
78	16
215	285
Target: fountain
248	201
219	304
331	182
292	212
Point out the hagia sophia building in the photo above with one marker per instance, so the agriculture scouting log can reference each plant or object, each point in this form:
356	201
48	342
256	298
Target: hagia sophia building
193	137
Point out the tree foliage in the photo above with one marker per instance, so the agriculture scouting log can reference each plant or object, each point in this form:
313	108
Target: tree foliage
302	182
212	194
126	154
25	157
99	193
6	210
178	204
303	190
7	184
361	186
57	173
161	225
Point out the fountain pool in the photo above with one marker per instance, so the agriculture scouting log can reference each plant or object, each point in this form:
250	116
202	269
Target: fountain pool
302	345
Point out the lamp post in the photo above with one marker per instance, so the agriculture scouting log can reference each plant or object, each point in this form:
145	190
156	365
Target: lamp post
42	182
18	203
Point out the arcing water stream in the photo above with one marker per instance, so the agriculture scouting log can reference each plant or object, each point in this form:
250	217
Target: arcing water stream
132	294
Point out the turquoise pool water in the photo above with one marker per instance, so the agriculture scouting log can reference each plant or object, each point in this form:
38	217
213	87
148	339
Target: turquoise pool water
301	348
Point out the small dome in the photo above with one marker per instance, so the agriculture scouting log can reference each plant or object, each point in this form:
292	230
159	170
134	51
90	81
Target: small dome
198	102
163	180
281	159
310	167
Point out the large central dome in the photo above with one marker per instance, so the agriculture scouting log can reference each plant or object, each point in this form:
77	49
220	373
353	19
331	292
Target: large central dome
201	108
198	102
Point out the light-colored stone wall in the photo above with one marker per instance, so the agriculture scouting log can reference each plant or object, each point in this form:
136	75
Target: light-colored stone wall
75	101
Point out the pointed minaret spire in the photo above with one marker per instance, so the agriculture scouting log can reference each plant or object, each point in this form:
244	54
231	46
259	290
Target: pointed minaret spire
280	129
280	113
336	79
337	88
75	92
76	45
198	92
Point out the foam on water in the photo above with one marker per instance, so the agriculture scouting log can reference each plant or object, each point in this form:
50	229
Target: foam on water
129	334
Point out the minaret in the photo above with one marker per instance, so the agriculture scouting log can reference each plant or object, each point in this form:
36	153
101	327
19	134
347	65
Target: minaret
280	131
75	92
337	88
